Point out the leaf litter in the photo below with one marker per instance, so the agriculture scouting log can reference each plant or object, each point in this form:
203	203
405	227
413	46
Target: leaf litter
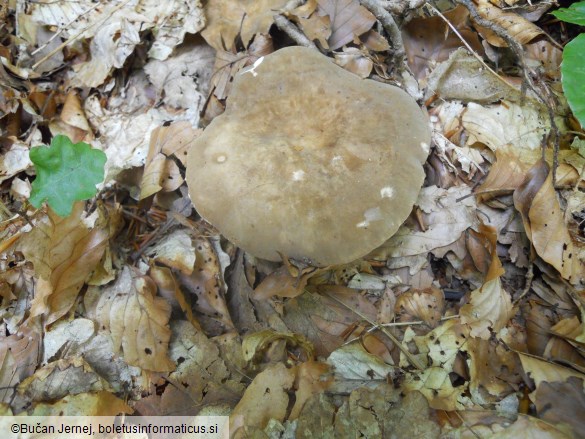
468	322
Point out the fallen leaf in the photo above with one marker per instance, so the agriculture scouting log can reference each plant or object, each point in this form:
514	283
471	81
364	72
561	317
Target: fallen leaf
207	284
311	379
519	28
429	40
536	200
265	398
137	320
64	252
57	380
490	306
84	404
169	289
228	19
426	305
353	362
175	250
255	344
348	18
19	358
562	403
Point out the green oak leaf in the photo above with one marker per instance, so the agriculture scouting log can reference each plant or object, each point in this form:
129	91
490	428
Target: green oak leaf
574	14
66	172
573	77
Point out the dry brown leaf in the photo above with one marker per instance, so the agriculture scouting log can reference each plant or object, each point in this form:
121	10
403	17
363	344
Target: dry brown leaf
311	379
538	324
59	379
505	175
160	172
322	320
169	289
519	28
19	357
265	398
543	371
64	252
490	306
447	213
137	321
228	19
255	345
84	404
176	139
72	122
355	61
316	27
429	40
175	250
562	403
201	378
494	371
348	18
564	347
281	283
426	305
207	283
545	226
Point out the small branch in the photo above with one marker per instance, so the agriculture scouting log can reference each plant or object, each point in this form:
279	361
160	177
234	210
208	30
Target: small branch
77	36
391	29
516	47
292	31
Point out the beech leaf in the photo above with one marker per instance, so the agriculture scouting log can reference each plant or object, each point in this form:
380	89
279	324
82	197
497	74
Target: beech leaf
66	172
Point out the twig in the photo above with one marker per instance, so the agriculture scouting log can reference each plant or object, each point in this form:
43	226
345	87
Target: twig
528	283
63	27
391	29
77	36
456	32
411	358
292	31
516	47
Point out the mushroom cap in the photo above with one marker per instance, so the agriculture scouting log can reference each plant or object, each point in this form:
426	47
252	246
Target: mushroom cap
309	161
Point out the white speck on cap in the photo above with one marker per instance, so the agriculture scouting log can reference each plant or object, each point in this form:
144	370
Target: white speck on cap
298	175
387	192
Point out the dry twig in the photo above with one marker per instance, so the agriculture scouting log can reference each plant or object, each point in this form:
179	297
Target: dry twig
292	31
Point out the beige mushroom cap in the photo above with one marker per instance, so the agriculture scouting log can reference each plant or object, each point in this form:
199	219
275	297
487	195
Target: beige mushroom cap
309	161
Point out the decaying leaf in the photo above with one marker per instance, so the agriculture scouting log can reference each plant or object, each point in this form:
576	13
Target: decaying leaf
228	19
136	319
426	305
200	379
429	40
83	404
543	220
57	380
19	357
562	403
207	283
65	252
517	26
254	345
175	250
265	398
348	19
490	306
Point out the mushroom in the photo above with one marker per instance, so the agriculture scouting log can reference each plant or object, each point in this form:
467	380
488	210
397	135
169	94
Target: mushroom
309	161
